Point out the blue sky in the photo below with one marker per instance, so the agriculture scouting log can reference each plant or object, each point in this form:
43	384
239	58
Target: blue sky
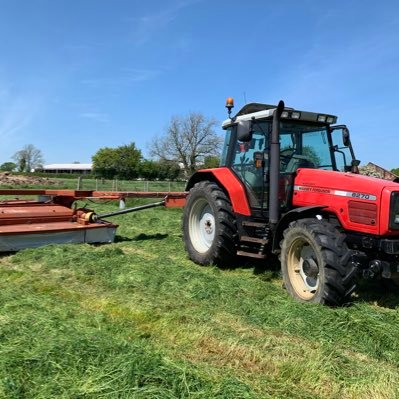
79	75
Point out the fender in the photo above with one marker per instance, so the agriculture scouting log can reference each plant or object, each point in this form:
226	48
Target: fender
229	182
294	214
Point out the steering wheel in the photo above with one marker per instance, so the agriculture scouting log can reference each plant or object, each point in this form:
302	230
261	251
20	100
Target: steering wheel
286	155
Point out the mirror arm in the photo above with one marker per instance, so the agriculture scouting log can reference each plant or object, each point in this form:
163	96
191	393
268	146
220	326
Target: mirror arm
355	166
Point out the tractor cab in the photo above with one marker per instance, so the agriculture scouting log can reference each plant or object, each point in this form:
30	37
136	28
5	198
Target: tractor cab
306	140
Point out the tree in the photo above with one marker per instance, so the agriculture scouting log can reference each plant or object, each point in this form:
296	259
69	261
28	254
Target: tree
28	158
211	161
162	170
395	171
168	170
149	169
8	166
122	162
188	140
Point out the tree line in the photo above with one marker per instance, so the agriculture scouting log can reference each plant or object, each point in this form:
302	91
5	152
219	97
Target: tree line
126	162
188	143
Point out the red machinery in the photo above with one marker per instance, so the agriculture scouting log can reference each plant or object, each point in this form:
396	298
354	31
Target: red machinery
289	185
52	219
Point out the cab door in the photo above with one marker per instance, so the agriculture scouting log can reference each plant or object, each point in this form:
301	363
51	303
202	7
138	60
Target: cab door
252	175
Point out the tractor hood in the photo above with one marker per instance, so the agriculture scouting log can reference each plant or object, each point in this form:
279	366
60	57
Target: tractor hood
358	201
340	180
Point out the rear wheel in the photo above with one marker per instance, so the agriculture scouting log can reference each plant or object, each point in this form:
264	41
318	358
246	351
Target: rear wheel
315	263
209	226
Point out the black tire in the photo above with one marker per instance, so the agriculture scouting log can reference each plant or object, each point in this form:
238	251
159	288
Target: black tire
315	263
209	226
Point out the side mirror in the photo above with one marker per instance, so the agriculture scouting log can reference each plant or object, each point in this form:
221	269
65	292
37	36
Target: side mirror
244	131
346	137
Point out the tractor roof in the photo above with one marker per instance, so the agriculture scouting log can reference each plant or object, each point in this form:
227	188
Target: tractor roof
261	111
256	107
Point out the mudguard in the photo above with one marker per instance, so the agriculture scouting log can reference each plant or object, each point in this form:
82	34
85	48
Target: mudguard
228	182
294	214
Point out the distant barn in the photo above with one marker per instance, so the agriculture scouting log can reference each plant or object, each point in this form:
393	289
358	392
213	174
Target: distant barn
371	169
77	168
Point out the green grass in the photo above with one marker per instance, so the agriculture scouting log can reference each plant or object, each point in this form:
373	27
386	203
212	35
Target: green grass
137	319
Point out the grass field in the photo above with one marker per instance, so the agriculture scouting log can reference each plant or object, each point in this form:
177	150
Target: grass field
137	319
101	185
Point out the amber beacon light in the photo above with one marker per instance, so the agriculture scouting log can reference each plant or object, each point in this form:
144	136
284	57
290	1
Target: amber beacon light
229	104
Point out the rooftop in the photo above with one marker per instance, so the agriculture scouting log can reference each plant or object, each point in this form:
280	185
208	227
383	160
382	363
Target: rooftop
68	166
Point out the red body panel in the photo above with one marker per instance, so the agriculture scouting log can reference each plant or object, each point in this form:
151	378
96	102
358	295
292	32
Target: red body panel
234	187
336	190
30	212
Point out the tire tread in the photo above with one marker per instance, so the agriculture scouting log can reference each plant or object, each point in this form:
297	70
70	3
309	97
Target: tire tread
223	250
340	274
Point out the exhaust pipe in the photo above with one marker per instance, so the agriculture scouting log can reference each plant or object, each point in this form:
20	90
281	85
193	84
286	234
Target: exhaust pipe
274	206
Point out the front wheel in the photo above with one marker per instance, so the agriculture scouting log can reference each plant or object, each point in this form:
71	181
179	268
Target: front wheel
209	226
315	263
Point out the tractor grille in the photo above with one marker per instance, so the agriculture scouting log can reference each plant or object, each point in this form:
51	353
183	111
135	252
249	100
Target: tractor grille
363	212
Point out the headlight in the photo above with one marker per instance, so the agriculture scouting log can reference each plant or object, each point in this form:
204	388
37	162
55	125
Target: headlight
295	115
394	211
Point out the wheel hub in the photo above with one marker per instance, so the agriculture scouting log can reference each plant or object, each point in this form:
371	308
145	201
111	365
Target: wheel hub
309	272
202	225
303	269
310	267
208	226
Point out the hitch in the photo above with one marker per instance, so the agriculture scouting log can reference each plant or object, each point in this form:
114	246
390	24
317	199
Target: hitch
376	268
95	217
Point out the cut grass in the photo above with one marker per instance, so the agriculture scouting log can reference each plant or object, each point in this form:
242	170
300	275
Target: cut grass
137	319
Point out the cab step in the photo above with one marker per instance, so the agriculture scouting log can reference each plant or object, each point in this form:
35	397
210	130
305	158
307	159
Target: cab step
252	255
256	240
254	224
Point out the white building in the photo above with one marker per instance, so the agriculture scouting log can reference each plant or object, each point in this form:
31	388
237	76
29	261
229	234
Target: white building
82	168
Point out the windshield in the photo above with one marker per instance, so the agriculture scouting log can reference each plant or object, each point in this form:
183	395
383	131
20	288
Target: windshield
304	146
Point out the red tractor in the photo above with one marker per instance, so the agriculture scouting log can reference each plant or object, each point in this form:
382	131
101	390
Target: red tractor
288	184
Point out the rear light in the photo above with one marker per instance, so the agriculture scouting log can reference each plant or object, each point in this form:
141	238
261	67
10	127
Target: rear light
394	211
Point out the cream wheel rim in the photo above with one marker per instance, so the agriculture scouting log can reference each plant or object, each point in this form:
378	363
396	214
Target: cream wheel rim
303	269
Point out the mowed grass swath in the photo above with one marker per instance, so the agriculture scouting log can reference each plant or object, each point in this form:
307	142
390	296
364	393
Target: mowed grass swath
137	319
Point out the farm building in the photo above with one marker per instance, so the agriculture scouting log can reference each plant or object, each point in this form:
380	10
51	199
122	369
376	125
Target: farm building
82	168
